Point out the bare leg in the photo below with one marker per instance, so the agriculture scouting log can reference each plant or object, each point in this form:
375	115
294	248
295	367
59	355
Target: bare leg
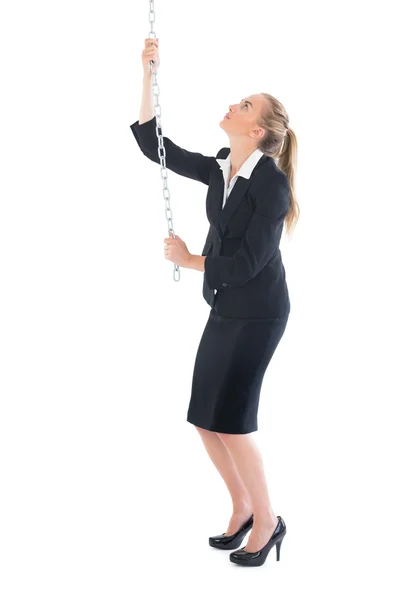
221	458
249	463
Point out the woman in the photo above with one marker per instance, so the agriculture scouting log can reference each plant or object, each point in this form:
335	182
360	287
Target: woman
250	197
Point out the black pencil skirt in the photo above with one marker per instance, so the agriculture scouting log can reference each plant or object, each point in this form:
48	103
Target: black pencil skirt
230	364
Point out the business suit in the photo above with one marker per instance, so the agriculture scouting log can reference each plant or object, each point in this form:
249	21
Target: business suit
243	265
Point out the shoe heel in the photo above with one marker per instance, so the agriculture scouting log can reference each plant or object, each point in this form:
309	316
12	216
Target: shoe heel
278	549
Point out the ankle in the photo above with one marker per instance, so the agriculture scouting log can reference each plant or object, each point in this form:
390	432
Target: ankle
242	508
265	518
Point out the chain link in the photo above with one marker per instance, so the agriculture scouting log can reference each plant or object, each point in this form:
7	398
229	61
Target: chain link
161	148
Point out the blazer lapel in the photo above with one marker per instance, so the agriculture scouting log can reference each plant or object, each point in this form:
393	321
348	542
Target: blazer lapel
233	201
223	215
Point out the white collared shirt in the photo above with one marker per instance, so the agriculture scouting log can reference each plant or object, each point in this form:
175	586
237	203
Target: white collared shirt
245	170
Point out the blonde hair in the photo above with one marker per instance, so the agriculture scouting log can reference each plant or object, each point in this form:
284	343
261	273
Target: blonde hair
280	143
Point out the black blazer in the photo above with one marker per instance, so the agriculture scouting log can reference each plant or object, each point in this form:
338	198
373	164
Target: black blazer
243	260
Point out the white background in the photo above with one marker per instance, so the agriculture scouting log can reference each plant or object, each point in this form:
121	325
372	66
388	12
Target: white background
106	491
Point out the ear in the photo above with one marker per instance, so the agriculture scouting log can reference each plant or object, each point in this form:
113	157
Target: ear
259	133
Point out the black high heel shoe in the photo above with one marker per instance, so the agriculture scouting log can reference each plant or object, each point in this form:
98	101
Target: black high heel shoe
256	559
228	542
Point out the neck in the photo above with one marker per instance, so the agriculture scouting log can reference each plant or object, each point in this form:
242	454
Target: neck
240	152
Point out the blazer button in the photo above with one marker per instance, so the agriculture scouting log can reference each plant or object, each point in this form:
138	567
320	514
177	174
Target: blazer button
224	284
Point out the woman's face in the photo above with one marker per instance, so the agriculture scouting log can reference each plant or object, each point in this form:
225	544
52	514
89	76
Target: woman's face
242	118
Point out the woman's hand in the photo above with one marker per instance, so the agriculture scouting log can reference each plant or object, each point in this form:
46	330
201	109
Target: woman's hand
176	250
149	53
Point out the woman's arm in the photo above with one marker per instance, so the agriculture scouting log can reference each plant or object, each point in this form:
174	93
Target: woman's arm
147	105
183	162
195	262
188	164
150	53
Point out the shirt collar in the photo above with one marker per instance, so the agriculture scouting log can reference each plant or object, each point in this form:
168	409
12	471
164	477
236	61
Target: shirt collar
247	167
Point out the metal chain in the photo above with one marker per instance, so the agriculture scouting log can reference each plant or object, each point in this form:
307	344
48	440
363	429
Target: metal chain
161	148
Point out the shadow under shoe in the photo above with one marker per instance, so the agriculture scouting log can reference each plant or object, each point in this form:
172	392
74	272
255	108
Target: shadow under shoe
229	542
256	559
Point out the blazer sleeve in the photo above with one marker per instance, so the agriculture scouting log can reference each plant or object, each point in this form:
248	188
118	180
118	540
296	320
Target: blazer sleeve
189	164
261	240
